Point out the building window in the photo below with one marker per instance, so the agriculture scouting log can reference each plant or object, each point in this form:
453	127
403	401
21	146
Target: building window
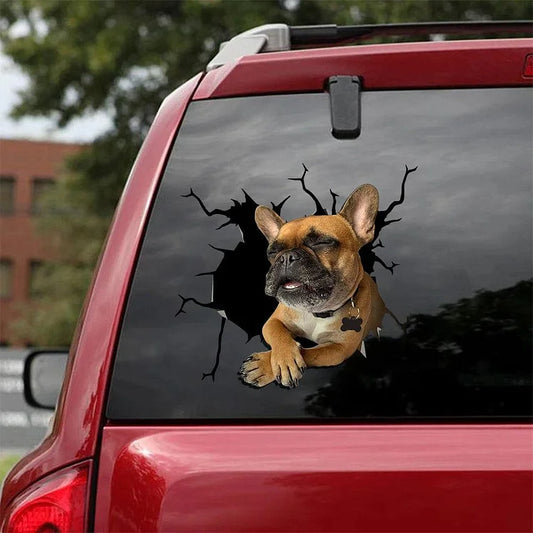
36	276
7	195
6	278
39	190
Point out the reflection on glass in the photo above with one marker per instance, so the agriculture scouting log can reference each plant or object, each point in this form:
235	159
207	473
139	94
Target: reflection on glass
467	359
455	270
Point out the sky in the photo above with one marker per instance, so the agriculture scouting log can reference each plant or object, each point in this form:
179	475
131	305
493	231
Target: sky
82	130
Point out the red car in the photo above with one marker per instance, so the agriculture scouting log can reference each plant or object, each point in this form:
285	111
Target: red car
426	428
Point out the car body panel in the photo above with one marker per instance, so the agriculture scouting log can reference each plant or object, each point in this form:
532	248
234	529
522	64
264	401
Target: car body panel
385	66
76	429
315	478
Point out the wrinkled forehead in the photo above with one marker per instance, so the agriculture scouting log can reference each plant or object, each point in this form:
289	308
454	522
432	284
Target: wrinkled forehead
315	226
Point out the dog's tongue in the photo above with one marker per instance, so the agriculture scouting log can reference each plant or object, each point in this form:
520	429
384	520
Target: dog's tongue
292	285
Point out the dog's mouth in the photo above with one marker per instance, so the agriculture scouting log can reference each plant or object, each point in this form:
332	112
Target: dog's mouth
301	288
304	294
292	285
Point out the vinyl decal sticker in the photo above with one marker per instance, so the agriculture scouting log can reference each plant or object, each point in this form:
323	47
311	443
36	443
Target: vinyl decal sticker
315	289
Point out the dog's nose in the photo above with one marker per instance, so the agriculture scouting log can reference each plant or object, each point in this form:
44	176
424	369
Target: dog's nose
289	257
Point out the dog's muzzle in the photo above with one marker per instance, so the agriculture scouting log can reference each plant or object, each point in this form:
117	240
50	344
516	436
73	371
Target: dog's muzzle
298	279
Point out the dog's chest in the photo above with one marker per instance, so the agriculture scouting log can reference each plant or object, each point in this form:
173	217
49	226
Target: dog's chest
316	329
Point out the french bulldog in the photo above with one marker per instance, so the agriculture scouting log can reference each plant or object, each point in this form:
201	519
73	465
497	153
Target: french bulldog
324	294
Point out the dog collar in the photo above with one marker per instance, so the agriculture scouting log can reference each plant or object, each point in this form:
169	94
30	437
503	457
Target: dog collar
326	314
329	314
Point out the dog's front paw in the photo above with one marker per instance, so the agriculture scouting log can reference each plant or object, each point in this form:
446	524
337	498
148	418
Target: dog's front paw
288	367
257	370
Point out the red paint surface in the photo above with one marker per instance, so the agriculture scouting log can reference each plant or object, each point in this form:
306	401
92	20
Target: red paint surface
528	66
316	478
79	414
456	64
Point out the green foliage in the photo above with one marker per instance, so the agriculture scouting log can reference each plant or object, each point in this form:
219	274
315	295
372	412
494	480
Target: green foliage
123	58
6	464
76	229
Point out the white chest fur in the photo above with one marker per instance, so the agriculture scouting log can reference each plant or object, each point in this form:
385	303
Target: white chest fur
315	329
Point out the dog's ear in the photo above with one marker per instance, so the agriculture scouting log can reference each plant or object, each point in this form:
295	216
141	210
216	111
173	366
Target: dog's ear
268	222
360	210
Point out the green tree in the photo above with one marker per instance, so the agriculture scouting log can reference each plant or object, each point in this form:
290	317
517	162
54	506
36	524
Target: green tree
124	57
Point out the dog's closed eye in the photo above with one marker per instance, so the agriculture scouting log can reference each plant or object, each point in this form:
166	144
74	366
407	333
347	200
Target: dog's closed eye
324	243
319	241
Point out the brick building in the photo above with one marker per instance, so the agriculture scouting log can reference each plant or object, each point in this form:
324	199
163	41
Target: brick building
27	170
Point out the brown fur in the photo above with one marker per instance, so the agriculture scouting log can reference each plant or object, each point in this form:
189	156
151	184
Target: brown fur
351	228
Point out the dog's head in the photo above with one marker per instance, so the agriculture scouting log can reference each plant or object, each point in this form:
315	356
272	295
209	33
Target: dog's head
315	264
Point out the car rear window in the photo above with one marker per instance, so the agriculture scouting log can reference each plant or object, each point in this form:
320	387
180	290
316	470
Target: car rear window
451	259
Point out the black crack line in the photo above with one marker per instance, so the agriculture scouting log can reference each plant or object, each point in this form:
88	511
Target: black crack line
219	349
185	300
384	265
402	196
202	205
319	209
334	196
277	207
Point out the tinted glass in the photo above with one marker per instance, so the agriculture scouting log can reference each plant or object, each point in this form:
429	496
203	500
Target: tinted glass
451	258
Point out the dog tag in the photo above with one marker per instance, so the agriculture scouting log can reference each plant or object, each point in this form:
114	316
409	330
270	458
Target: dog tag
351	323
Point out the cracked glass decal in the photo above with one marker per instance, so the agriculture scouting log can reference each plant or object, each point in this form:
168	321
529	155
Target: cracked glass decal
250	309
